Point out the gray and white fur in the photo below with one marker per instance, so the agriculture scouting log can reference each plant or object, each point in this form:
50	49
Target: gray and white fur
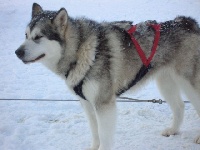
98	61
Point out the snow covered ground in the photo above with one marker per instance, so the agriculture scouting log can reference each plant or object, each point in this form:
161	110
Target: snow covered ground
62	125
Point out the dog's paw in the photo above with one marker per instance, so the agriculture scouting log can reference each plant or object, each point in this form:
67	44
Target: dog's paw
169	131
91	149
197	139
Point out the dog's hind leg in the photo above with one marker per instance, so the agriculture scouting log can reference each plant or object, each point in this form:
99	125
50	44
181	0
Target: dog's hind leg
194	98
90	113
171	93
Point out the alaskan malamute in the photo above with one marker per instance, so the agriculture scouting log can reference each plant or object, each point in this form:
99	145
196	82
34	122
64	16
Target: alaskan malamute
100	61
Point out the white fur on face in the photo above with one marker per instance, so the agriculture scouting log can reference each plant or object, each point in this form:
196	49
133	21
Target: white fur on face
32	49
36	48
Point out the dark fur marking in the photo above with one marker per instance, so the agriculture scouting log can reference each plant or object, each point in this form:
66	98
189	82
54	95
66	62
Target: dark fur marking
81	36
122	34
71	66
142	72
42	16
48	31
78	89
52	34
186	23
103	48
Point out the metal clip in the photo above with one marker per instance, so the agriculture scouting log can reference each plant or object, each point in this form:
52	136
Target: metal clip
157	101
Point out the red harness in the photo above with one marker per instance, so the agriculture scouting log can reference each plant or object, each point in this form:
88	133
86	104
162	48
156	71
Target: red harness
146	61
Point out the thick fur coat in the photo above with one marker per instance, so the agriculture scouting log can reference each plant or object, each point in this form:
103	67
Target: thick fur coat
98	61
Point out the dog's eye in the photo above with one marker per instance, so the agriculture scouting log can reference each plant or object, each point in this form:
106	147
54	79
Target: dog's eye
37	37
26	35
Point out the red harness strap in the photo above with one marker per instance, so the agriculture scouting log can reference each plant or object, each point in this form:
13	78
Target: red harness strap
146	61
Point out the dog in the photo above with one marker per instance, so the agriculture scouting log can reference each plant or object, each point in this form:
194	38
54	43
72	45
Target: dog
100	61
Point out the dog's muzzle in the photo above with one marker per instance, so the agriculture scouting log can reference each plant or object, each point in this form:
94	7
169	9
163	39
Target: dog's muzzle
20	52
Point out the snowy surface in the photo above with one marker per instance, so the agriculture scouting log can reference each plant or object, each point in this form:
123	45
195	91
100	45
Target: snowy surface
62	125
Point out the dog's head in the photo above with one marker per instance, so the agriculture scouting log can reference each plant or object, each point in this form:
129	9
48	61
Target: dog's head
44	36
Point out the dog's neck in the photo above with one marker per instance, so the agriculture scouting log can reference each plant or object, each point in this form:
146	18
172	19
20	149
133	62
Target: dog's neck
68	54
73	51
60	63
51	64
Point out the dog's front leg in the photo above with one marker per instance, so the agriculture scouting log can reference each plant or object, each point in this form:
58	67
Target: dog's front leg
90	113
106	119
100	108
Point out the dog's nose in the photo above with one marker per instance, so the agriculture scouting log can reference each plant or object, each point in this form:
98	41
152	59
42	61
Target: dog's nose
20	53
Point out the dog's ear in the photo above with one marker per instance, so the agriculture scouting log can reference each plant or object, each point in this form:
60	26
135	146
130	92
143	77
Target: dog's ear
61	18
36	9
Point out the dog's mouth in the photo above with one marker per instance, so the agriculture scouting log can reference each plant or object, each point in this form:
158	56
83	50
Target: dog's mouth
32	61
